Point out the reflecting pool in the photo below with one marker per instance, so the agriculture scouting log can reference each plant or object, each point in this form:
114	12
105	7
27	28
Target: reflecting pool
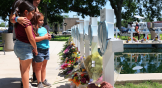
135	61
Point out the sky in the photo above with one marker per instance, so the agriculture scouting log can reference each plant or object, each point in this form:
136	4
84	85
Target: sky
107	6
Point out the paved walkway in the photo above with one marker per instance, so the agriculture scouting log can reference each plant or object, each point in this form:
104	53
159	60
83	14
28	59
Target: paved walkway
10	73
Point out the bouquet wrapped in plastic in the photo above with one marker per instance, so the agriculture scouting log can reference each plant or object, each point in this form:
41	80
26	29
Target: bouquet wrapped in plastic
93	65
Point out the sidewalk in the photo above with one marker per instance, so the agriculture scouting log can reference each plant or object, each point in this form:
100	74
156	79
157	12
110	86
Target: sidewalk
10	73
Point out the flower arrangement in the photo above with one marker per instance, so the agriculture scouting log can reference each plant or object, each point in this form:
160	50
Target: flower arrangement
144	39
129	39
80	71
80	78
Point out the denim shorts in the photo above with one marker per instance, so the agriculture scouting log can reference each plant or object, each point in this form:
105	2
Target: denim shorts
43	54
23	50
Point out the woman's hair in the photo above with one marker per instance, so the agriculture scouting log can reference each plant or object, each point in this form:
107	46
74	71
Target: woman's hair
15	6
25	5
34	22
31	1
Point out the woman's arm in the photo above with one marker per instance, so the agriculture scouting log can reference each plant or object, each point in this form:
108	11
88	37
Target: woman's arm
31	39
40	38
20	20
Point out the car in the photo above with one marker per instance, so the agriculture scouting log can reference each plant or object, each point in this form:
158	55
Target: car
67	31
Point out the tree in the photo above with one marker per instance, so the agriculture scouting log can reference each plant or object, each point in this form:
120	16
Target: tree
129	6
151	9
53	8
2	24
87	7
5	8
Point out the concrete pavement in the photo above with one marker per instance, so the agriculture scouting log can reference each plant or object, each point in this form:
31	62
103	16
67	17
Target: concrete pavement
10	72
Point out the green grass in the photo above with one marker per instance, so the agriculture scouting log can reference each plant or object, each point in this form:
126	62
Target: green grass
147	84
61	38
1	48
126	37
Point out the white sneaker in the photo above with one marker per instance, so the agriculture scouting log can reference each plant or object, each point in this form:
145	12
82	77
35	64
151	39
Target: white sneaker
30	86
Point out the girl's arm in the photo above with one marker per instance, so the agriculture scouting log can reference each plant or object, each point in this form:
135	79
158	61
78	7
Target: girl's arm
31	39
40	38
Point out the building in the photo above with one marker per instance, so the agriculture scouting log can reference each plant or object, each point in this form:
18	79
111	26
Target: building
70	22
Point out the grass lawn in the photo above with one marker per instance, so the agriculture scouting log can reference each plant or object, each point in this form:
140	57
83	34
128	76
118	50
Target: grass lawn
126	37
147	84
65	38
1	48
61	38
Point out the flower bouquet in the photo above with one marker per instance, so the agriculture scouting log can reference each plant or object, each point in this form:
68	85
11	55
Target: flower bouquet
93	65
129	39
144	40
80	79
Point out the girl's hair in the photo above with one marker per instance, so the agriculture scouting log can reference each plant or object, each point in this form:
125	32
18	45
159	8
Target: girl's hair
34	22
16	5
25	5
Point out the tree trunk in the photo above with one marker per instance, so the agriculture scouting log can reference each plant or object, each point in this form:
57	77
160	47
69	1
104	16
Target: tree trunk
53	27
45	11
118	18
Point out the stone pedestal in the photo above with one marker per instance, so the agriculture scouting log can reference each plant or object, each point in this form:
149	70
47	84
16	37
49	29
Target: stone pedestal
9	44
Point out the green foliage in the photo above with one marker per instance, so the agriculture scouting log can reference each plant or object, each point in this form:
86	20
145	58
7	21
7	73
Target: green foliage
66	16
61	38
5	8
87	7
150	8
2	24
147	84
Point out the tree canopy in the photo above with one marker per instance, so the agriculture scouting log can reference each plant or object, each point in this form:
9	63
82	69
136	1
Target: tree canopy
150	9
53	8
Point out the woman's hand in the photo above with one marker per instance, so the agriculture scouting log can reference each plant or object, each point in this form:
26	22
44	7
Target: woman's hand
35	51
23	21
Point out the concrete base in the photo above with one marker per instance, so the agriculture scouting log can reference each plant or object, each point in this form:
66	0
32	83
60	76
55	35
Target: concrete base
139	45
9	44
138	78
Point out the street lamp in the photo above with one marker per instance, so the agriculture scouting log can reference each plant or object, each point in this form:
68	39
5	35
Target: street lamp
65	28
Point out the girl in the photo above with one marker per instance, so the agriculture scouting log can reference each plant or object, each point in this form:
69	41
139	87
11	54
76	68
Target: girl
43	49
25	42
22	20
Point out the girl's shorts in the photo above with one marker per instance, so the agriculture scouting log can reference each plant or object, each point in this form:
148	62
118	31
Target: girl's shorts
23	50
43	54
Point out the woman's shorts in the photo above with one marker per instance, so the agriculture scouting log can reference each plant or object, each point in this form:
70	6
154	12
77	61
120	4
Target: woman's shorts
23	50
43	54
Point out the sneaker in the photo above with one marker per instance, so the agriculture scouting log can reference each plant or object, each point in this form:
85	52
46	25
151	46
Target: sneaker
21	84
34	81
30	86
40	85
45	83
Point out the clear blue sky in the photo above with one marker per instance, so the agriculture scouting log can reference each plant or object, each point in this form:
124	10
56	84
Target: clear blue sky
107	6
